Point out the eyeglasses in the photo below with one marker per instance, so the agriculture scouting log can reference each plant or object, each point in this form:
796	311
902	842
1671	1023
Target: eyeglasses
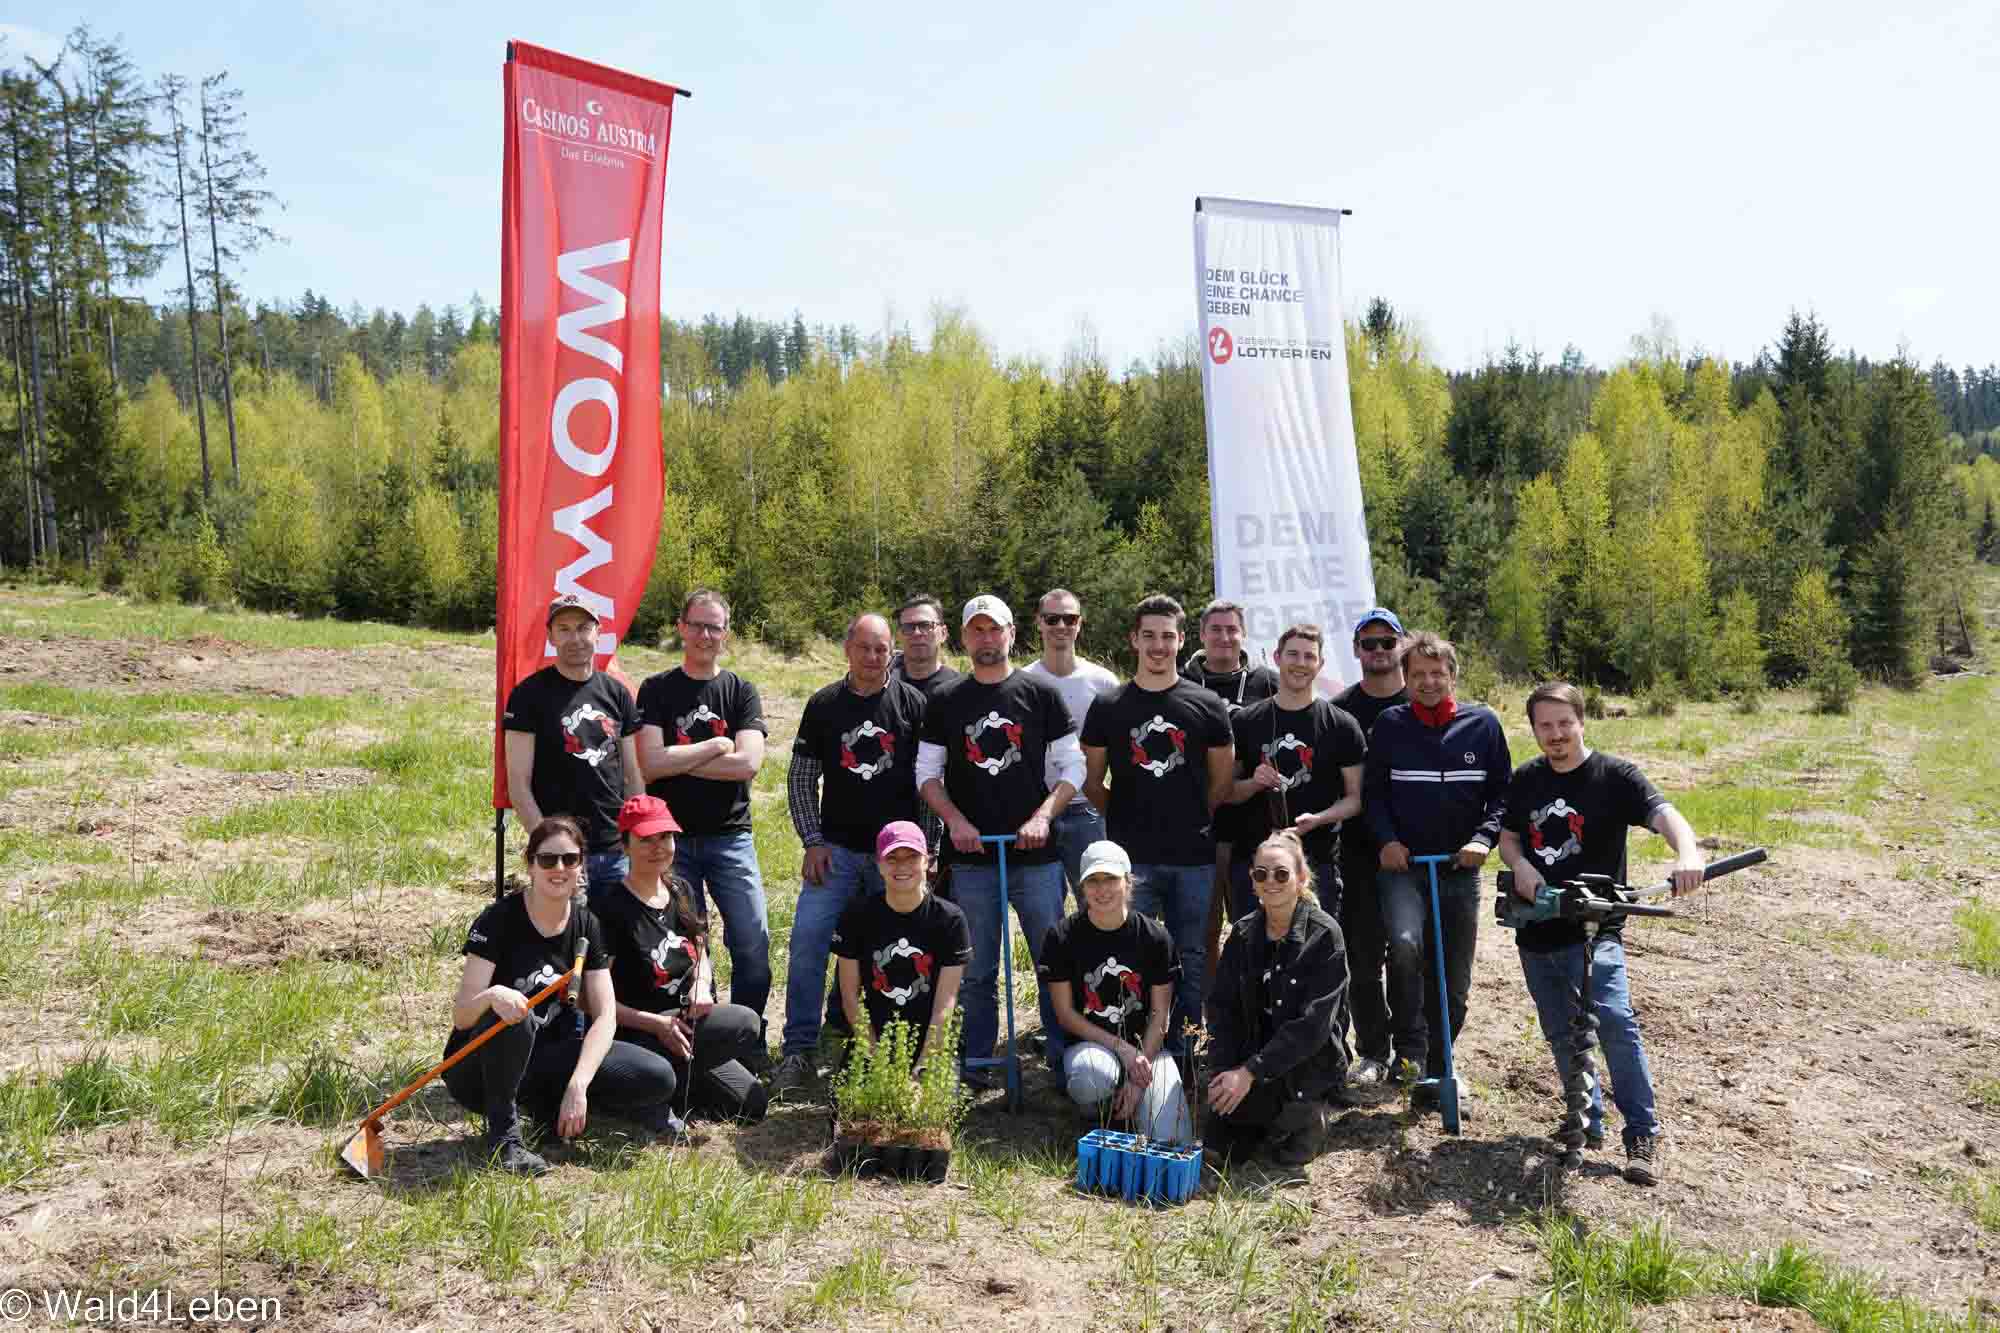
1282	874
920	626
704	627
1061	617
550	860
1376	645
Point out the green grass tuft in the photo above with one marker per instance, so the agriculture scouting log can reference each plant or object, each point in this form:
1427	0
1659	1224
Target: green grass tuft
1979	937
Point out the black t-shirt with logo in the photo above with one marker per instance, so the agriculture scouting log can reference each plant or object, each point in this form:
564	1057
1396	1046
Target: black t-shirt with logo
1364	708
1237	689
1309	746
1156	745
688	711
901	954
1573	824
866	746
930	684
1111	973
654	963
528	960
579	764
996	742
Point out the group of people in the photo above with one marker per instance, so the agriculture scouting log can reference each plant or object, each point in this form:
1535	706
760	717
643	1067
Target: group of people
1196	791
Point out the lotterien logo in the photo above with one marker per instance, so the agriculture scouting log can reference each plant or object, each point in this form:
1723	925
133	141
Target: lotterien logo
1220	346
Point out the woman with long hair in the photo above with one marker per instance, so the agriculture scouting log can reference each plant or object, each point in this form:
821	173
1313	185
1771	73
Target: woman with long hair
550	1058
1273	1015
661	977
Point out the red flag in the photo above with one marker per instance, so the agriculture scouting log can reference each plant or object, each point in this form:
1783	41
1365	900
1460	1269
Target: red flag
580	471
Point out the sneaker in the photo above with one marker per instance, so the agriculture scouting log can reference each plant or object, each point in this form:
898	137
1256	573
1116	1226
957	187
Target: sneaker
1367	1074
1642	1160
511	1155
795	1075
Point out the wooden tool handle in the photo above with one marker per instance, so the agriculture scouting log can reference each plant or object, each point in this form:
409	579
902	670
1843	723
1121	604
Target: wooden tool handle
375	1116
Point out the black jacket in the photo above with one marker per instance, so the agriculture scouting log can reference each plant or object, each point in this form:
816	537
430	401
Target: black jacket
1307	1052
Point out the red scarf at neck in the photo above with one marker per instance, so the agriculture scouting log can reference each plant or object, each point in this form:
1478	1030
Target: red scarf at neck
1440	716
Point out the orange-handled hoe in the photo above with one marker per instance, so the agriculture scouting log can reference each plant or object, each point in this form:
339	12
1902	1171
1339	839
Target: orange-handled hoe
363	1150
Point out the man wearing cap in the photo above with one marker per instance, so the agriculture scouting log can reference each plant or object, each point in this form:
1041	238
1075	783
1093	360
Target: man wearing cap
1081	683
999	756
920	630
1164	743
701	744
853	771
571	733
1378	638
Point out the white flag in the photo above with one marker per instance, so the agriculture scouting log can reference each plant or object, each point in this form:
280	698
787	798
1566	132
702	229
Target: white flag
1285	492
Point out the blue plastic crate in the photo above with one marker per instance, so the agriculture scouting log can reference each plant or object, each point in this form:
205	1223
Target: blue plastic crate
1126	1167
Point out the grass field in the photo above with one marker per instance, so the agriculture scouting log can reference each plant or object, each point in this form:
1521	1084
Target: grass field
237	857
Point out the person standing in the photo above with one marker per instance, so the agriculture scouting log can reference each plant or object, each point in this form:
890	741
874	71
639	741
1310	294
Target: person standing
1567	816
701	744
999	755
1080	682
1164	742
853	771
1378	639
1435	784
572	742
921	631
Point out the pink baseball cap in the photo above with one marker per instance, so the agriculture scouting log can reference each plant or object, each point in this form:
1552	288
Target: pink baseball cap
902	833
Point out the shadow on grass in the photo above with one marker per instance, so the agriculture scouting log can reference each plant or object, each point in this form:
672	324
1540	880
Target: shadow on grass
1489	1182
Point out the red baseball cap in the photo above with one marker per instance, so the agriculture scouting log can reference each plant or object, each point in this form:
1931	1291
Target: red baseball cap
643	816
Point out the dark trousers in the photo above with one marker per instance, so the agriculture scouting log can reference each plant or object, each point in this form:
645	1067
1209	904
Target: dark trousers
1367	952
1268	1109
528	1066
715	1084
1413	987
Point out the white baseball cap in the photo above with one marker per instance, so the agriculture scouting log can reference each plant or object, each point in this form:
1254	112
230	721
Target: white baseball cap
1104	857
986	604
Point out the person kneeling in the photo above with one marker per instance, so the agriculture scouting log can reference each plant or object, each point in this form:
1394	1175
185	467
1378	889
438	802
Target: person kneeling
659	967
549	1058
1272	1015
914	947
1121	965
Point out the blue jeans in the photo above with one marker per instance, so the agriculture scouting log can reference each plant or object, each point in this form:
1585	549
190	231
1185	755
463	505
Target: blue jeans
604	870
1413	982
1552	979
1178	897
1037	894
849	875
725	865
1072	831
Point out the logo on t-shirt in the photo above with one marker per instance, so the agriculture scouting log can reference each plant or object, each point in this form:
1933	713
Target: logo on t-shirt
980	742
1557	819
709	723
536	979
1123	1000
674	943
919	982
590	734
885	751
1172	754
1276	750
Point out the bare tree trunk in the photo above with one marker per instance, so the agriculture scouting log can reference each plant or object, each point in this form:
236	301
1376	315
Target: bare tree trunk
221	314
194	328
21	429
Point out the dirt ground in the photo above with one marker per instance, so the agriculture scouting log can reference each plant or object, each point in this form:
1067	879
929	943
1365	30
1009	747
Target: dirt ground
1815	1048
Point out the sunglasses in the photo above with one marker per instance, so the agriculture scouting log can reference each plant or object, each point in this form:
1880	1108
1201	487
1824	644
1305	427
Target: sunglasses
1061	618
1281	874
550	860
919	626
1377	645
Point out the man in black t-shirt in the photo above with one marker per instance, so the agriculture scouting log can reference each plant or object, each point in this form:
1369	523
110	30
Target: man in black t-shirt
571	742
701	743
853	771
1378	641
1567	815
1164	742
999	756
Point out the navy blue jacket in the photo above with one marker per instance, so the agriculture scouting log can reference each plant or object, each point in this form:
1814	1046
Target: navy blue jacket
1436	789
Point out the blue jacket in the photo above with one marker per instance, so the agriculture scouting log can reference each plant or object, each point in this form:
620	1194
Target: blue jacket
1435	790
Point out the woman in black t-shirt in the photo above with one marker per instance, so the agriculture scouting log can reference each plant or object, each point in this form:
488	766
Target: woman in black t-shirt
1273	1015
659	971
550	1059
902	952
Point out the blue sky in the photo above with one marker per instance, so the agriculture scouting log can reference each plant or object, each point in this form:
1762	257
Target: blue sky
1548	174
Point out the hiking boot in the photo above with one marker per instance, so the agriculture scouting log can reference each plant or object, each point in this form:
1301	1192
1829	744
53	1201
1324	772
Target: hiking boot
1642	1160
1367	1073
1299	1146
511	1155
795	1076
